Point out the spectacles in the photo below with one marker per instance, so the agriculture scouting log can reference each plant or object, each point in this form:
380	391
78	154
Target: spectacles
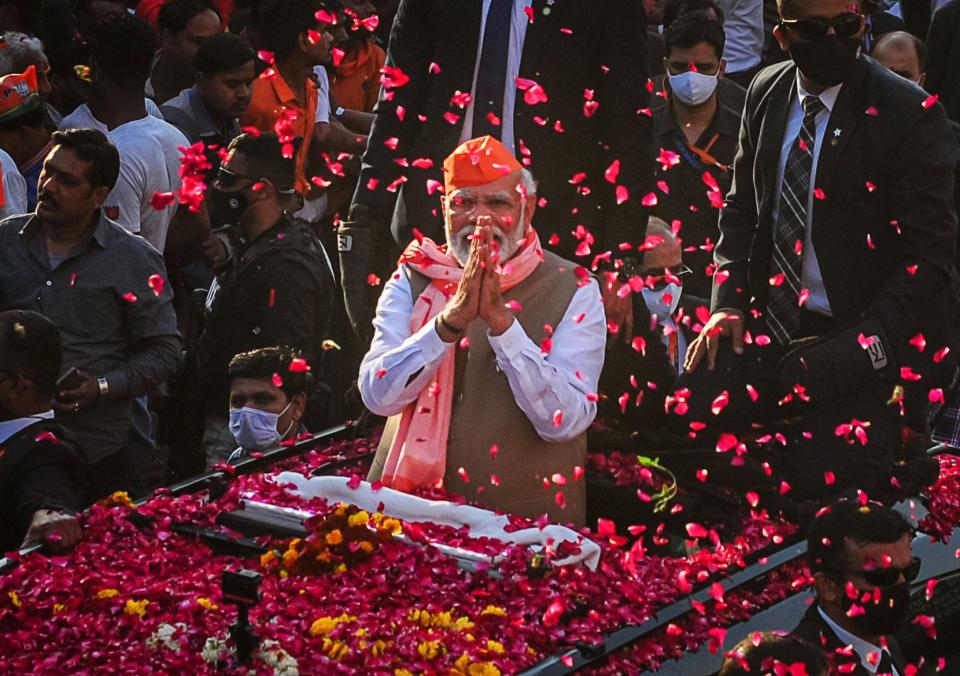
887	577
463	204
845	25
674	275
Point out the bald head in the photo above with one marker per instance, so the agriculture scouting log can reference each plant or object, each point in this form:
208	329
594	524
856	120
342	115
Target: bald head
902	53
665	251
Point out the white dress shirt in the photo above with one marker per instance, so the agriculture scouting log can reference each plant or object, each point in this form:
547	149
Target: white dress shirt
518	32
810	277
10	427
400	364
864	649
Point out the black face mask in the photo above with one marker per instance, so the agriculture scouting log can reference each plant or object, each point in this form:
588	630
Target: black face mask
827	60
229	206
884	617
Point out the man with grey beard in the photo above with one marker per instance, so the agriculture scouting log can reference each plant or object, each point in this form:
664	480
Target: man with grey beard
487	351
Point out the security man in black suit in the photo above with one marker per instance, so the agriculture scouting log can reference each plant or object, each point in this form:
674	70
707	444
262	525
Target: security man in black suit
861	548
834	303
574	76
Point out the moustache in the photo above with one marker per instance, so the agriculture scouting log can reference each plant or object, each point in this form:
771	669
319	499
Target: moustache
42	197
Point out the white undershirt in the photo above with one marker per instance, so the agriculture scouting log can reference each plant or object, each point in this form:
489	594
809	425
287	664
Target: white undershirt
864	649
518	32
810	277
540	385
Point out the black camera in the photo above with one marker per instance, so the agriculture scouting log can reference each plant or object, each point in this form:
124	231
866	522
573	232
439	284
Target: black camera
240	586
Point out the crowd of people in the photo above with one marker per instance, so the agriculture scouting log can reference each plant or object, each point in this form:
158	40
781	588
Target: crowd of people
703	225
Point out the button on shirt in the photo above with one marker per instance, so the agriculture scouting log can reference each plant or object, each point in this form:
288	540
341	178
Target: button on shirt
112	322
518	32
400	364
810	277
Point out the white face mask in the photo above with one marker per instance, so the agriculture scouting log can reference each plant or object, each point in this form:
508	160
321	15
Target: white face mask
657	302
693	88
255	429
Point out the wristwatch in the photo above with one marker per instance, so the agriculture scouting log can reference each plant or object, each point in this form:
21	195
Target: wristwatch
338	113
104	386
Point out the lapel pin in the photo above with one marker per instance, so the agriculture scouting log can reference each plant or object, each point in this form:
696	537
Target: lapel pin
837	132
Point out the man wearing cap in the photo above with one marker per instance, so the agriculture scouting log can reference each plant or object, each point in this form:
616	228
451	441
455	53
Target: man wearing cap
18	96
487	351
24	138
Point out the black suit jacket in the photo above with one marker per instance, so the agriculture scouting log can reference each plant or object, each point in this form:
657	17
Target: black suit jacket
884	231
943	60
570	46
816	631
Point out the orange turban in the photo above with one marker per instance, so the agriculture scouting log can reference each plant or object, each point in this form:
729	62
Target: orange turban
477	162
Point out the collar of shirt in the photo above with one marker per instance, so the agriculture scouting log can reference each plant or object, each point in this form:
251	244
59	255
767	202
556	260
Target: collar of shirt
864	649
725	121
10	427
31	230
285	94
828	97
205	123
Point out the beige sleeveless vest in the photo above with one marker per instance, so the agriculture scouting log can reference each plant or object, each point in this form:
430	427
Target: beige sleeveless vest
485	413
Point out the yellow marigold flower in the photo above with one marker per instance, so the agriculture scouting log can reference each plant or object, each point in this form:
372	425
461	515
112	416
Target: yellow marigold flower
483	669
430	649
335	649
365	546
268	558
138	608
362	631
402	672
494	610
334	537
58	608
118	499
14	599
361	518
494	646
290	558
378	648
463	623
392	526
340	569
107	593
284	575
207	603
324	626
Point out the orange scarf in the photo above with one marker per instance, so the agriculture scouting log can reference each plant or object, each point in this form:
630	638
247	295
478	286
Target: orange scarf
418	454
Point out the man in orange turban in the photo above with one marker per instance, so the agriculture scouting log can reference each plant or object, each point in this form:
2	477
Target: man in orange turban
487	351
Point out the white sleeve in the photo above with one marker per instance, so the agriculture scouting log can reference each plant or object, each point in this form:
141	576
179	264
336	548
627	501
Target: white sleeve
126	196
399	363
323	95
14	192
557	392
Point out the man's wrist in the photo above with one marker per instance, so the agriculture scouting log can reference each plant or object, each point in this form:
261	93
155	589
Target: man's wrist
500	322
103	386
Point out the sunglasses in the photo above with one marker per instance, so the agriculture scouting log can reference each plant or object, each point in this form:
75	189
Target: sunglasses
229	181
887	577
845	25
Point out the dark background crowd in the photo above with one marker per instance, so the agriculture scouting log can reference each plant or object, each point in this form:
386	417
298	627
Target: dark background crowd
275	157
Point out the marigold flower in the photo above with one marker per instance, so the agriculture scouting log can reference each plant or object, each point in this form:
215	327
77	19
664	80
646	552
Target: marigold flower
138	608
207	603
334	537
361	518
107	593
494	610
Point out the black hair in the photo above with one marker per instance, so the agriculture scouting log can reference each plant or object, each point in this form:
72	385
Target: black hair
282	22
175	15
848	520
122	47
692	29
221	53
758	656
263	154
92	145
83	6
30	344
790	7
674	9
35	117
266	362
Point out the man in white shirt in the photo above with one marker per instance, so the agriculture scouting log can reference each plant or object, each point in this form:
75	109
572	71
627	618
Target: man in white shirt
487	351
863	549
122	50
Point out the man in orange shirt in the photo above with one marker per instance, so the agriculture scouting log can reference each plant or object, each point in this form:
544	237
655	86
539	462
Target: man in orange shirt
285	96
357	81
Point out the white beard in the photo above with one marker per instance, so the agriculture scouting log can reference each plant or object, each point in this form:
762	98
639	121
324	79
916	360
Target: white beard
459	244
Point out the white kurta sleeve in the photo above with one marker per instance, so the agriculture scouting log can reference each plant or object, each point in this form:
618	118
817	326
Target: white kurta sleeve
557	392
399	363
